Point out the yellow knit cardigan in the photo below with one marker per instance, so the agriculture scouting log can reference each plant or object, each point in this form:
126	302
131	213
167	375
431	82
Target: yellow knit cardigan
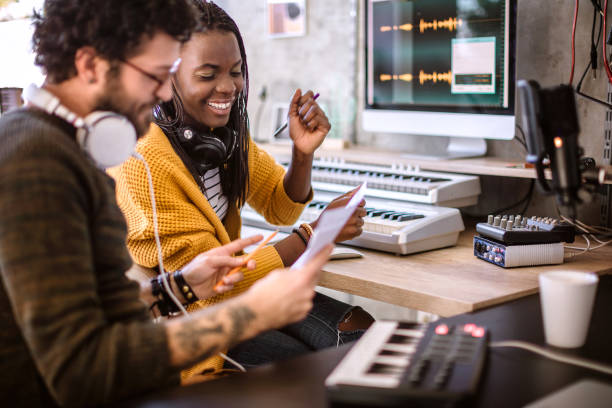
188	225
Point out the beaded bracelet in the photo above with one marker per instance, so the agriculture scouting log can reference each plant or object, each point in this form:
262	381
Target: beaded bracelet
308	229
184	287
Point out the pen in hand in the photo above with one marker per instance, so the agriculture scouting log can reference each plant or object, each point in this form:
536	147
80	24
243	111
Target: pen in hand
248	258
284	126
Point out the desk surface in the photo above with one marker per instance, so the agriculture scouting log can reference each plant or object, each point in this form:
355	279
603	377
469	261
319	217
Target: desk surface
446	281
511	377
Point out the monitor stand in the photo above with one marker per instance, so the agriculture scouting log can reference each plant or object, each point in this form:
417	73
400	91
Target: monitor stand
457	148
461	147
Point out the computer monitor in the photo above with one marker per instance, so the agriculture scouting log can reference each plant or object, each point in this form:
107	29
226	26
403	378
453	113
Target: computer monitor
441	68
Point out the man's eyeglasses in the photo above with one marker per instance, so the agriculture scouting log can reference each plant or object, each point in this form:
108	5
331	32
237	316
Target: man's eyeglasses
160	81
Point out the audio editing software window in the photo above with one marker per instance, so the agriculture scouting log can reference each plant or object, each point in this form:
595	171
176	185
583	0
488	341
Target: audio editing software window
438	53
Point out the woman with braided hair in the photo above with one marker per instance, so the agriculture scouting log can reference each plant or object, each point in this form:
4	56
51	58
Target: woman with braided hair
206	167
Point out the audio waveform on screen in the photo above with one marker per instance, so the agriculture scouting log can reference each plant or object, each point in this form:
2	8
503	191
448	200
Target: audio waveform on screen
401	77
434	77
403	27
449	24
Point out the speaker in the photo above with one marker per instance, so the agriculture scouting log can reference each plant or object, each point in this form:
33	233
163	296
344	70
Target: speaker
108	137
208	149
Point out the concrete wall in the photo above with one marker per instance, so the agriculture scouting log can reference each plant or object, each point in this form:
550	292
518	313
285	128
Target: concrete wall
329	60
323	60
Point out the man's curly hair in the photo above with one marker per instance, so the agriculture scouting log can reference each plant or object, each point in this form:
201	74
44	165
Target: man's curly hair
114	28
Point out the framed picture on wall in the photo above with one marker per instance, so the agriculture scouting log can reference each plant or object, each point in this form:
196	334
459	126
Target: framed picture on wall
286	18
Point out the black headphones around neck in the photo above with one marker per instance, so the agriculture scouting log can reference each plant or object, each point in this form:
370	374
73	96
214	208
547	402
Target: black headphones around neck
208	149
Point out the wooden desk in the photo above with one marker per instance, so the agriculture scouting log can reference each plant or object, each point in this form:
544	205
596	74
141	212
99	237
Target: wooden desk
447	281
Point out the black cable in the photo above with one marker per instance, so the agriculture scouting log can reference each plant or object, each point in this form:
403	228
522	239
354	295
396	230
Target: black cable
522	141
597	5
592	64
530	196
526	198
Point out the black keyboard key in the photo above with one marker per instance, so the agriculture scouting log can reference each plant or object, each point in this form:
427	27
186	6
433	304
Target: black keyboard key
408	217
378	368
394	353
377	213
399	339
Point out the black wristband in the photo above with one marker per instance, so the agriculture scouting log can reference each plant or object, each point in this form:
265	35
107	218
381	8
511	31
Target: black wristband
184	287
172	307
164	303
302	237
156	290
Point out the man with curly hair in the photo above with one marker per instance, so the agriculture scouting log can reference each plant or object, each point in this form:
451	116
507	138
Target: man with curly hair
74	331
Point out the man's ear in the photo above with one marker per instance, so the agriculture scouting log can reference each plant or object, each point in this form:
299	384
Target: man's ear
90	67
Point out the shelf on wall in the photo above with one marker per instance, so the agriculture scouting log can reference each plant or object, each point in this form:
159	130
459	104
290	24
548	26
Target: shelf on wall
490	166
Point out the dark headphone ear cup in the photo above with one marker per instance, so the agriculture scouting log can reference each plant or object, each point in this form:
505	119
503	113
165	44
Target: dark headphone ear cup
210	150
229	138
207	149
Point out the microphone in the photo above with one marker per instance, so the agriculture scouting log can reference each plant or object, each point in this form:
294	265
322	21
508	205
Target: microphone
551	128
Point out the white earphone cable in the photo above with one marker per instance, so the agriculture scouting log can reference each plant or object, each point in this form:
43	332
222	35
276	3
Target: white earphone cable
160	256
554	355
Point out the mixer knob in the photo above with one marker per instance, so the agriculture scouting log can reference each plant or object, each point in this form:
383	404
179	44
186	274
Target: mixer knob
490	220
509	225
496	220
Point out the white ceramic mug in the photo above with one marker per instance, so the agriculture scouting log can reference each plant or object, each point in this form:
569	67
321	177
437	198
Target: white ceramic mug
567	300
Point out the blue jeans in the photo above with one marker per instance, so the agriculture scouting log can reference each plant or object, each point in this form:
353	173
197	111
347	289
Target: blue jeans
317	331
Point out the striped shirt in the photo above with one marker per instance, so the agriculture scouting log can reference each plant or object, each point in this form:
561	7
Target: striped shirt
211	180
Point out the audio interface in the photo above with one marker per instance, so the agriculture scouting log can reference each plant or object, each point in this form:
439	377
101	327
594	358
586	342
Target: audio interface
509	256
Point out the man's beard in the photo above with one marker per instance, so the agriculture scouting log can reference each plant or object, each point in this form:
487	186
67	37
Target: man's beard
114	99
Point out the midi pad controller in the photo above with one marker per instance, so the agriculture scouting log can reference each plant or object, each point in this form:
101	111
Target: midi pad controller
517	230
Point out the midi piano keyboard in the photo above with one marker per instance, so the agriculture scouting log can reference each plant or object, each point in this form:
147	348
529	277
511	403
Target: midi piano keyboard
391	226
395	182
406	363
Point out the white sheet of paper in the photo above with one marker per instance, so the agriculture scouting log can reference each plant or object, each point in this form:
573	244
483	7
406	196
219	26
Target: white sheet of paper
329	226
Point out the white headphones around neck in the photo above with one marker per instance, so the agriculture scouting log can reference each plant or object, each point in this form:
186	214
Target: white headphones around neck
108	137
